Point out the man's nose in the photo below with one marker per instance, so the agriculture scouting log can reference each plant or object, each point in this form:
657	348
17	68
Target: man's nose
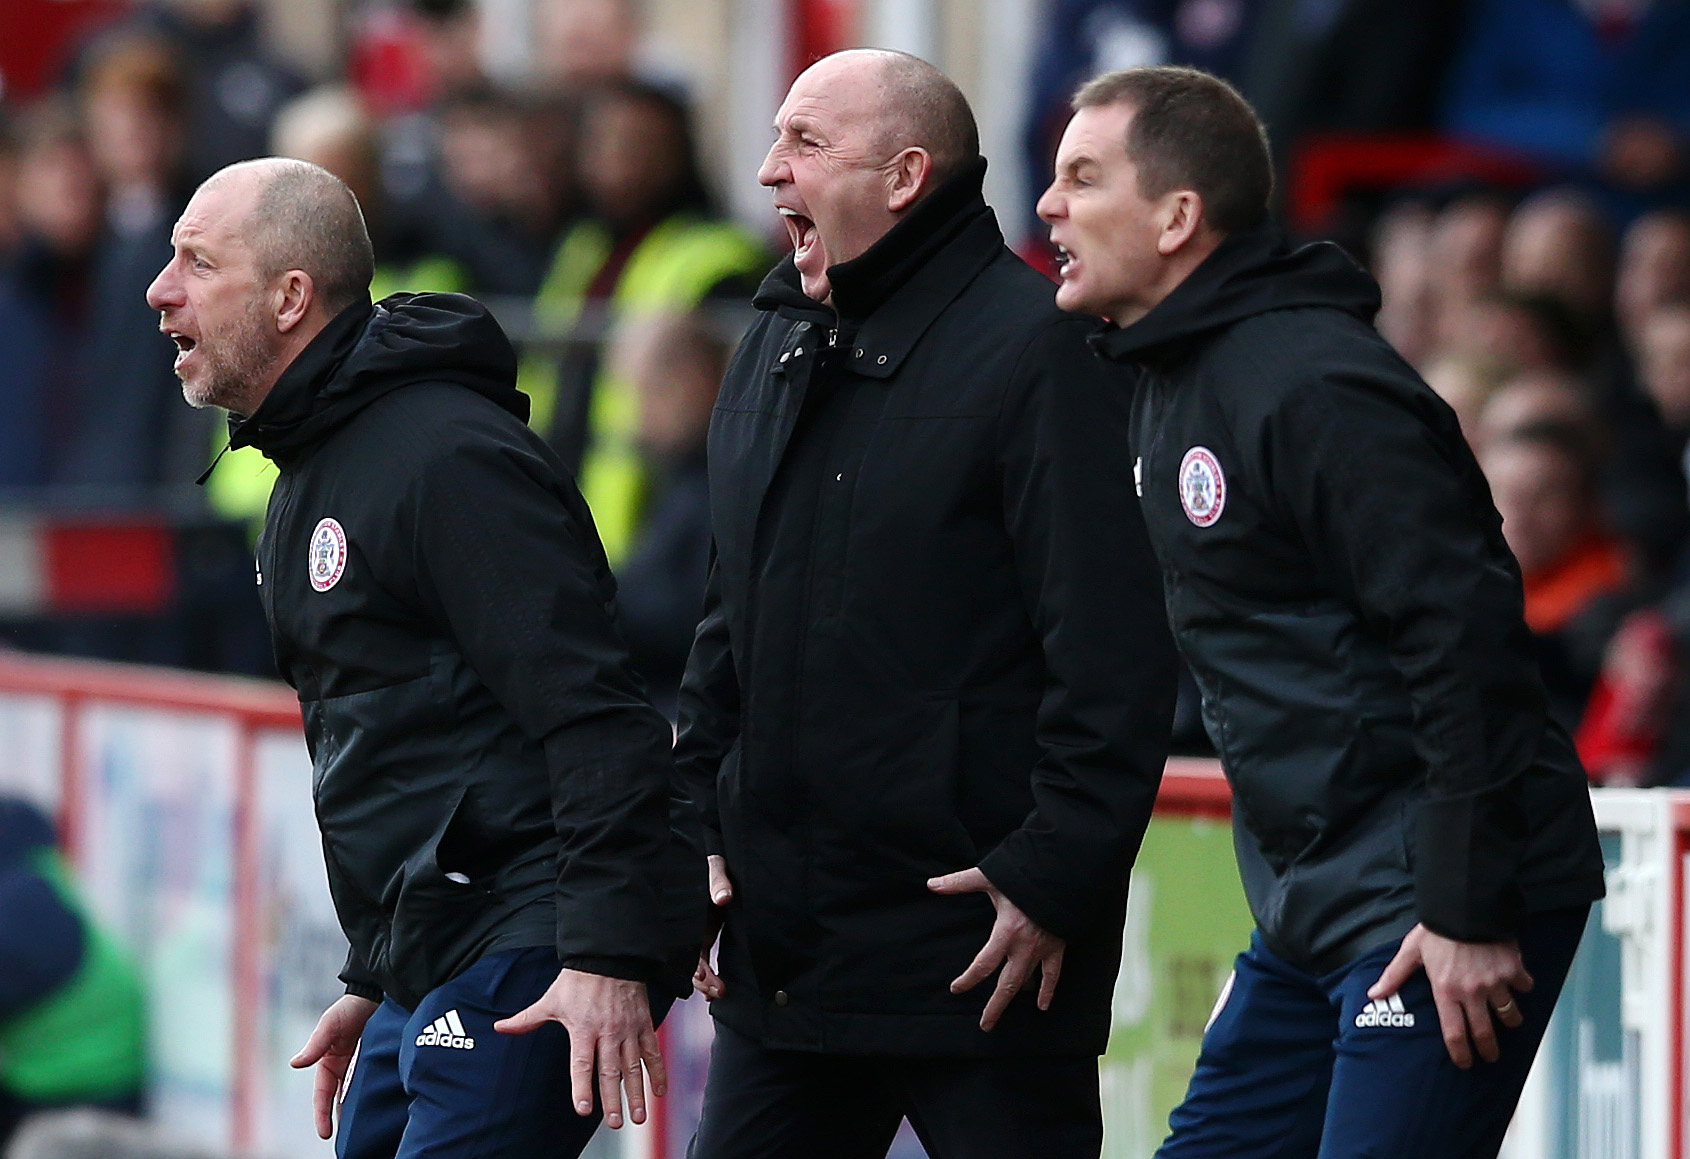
163	291
773	171
1049	207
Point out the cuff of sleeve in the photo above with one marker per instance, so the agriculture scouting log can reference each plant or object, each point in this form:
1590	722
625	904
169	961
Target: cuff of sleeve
627	968
365	990
1466	880
1054	912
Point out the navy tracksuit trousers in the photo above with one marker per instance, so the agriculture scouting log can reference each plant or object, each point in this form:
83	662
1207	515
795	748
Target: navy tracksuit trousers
1302	1066
439	1082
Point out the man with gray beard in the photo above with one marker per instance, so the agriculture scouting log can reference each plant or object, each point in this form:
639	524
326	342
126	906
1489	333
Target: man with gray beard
505	849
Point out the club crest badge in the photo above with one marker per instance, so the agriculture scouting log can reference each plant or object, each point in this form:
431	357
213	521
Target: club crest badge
327	559
1202	486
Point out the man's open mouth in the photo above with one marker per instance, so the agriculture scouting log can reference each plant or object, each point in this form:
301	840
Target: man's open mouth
802	231
184	344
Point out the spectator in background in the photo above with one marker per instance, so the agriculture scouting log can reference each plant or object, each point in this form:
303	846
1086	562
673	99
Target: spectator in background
1401	249
129	438
580	44
1512	332
1664	366
674	364
1465	259
1535	398
1558	245
1601	86
71	1026
1543	479
44	294
235	81
1654	269
1467	385
649	240
11	221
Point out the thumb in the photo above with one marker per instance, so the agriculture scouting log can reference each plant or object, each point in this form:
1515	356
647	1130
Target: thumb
721	888
315	1048
962	881
523	1021
1400	970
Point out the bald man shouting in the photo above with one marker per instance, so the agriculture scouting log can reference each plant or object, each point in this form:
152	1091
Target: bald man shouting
929	702
493	788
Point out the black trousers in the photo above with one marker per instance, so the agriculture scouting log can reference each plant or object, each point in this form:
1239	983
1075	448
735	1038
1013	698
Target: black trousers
780	1104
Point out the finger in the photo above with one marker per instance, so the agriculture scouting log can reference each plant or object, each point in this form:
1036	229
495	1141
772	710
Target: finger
580	1073
1009	985
1454	1026
633	1079
315	1047
962	881
721	888
651	1050
1521	982
707	982
1050	969
1483	1029
1400	969
523	1021
610	1083
324	1085
1507	1010
990	957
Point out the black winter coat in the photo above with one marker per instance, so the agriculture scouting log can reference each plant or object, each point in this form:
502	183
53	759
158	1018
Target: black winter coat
1338	583
488	773
933	639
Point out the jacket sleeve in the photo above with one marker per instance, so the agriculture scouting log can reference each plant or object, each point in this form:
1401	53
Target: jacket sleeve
708	710
359	978
507	554
1392	507
1094	596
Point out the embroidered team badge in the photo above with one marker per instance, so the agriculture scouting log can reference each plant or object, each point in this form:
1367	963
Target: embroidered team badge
1202	486
327	559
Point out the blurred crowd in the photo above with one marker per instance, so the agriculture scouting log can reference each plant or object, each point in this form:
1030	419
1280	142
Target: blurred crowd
575	205
1553	313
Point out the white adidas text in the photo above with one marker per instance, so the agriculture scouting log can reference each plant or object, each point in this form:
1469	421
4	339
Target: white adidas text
447	1030
1385	1012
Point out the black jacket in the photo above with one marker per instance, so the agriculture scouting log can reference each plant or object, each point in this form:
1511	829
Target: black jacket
1338	583
488	773
933	638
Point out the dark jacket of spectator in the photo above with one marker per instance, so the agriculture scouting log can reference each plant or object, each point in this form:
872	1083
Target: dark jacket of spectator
1541	76
660	589
933	639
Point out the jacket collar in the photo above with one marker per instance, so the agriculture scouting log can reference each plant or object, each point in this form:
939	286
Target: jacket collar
902	283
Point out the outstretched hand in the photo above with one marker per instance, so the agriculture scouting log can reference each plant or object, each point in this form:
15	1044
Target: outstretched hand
705	979
330	1049
610	1033
1471	983
1017	944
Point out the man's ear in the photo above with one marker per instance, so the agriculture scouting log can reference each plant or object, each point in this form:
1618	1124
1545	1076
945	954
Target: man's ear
907	176
295	297
1181	220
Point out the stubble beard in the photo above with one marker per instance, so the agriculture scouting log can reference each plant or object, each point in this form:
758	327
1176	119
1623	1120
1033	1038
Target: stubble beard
233	367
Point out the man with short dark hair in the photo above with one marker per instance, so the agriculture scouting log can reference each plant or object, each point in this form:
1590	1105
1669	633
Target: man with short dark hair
928	706
503	842
1413	830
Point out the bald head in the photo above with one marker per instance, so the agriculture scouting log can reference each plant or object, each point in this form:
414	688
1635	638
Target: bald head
916	107
302	217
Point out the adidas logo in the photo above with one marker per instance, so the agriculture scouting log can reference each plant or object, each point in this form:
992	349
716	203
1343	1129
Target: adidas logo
447	1030
1385	1012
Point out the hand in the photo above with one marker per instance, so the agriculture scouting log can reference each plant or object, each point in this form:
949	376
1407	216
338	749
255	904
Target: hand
1017	944
331	1047
705	979
610	1031
1471	983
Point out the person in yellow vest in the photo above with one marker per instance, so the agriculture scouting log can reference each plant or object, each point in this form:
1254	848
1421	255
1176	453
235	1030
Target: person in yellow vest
72	1028
647	243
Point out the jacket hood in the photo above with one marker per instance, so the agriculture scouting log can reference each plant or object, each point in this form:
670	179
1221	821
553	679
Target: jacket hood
1249	273
864	282
367	351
